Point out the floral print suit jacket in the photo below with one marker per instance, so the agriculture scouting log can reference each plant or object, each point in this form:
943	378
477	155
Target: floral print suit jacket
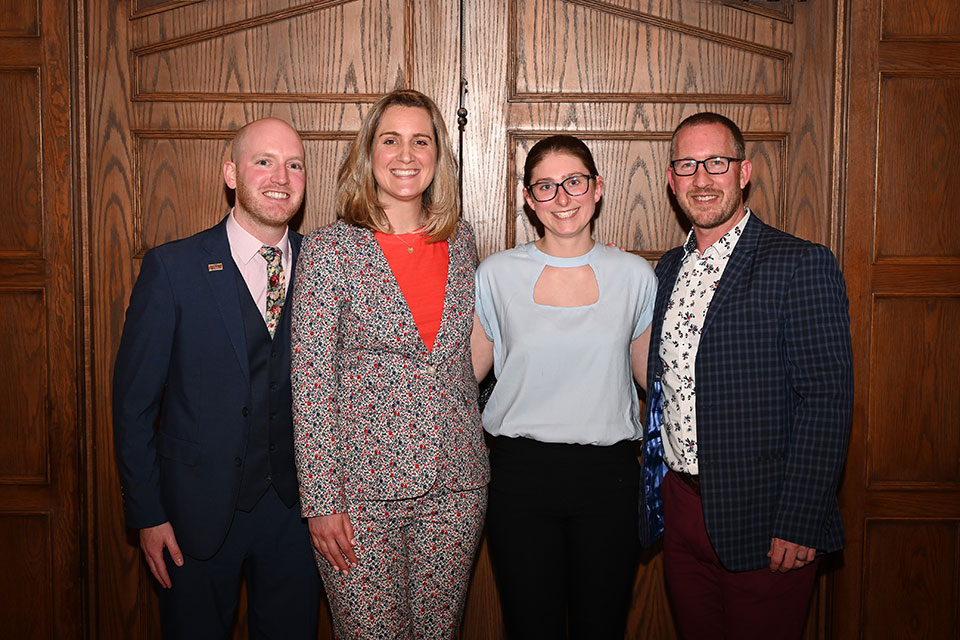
376	415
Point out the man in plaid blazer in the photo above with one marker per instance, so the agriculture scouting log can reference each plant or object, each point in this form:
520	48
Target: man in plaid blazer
749	405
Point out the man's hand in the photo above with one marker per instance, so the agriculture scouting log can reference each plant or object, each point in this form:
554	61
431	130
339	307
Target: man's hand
785	556
152	541
333	537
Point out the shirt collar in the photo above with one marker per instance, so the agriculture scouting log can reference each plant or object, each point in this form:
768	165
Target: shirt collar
244	246
722	247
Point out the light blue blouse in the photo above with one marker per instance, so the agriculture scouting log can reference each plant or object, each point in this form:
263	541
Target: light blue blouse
563	373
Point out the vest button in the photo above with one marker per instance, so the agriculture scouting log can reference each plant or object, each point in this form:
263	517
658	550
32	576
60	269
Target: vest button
245	412
238	462
273	447
273	386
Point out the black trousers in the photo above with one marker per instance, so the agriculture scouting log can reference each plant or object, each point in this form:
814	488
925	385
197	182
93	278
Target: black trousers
270	545
562	532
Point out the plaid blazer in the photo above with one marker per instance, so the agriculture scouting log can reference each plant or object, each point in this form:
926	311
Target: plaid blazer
377	416
774	395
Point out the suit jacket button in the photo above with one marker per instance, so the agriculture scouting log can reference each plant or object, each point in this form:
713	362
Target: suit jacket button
245	412
430	370
238	462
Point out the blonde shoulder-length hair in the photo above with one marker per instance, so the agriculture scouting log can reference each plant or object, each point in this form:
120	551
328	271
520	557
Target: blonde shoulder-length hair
357	188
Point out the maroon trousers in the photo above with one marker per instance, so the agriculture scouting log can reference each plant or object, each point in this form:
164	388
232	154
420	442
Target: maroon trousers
709	601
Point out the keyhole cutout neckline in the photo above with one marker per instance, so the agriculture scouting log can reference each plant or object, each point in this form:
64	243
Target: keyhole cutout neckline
565	282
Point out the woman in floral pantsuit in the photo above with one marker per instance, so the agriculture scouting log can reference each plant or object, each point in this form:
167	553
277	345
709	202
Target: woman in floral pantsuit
391	459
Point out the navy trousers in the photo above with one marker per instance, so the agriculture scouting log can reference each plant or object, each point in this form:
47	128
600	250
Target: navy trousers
270	546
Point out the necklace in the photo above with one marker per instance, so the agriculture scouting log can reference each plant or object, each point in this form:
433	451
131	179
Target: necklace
408	245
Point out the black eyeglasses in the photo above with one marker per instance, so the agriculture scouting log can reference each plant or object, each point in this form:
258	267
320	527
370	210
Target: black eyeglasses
546	190
715	165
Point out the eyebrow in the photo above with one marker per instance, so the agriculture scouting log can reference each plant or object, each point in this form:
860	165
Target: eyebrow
568	175
398	134
272	156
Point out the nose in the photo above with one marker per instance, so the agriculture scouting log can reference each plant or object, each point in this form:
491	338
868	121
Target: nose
406	152
281	175
701	178
562	196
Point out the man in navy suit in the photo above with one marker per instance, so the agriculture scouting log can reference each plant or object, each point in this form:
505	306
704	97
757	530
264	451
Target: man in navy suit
751	396
205	353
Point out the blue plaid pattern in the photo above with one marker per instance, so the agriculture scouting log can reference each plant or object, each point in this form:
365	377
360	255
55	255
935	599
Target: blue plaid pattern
774	377
654	469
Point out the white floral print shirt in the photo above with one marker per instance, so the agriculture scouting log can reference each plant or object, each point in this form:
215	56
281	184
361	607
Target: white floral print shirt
686	310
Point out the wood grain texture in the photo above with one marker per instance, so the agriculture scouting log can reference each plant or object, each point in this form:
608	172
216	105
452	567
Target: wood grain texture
929	102
913	338
141	8
243	61
19	17
24	427
903	280
790	143
912	579
166	88
41	591
637	56
27	608
20	128
166	91
920	20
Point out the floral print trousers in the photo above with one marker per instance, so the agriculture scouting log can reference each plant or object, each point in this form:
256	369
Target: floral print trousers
414	558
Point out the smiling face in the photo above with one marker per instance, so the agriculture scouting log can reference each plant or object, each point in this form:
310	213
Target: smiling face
712	202
404	157
566	218
267	172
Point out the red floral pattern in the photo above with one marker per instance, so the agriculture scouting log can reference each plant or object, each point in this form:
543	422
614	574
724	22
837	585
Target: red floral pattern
276	291
376	415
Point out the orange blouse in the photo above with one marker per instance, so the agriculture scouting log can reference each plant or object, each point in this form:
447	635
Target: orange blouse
420	268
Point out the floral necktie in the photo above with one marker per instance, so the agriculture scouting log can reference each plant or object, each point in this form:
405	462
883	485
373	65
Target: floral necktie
275	288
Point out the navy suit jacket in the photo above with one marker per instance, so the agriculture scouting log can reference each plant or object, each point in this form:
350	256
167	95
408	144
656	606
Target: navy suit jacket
183	357
774	379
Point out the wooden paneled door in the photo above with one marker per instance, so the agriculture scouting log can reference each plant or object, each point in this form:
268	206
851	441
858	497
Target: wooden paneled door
621	74
901	497
168	80
41	592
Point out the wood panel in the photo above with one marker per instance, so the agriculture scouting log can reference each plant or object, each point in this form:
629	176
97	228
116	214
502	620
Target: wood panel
799	117
913	338
931	99
169	81
912	586
900	498
19	17
24	430
20	131
621	74
682	56
41	592
27	607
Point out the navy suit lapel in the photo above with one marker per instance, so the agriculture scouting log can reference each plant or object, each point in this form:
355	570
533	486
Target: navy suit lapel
223	289
737	268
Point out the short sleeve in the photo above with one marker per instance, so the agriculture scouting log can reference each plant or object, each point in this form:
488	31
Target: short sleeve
485	308
646	297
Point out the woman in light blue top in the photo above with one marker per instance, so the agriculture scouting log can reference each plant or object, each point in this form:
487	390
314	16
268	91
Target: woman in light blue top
564	321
